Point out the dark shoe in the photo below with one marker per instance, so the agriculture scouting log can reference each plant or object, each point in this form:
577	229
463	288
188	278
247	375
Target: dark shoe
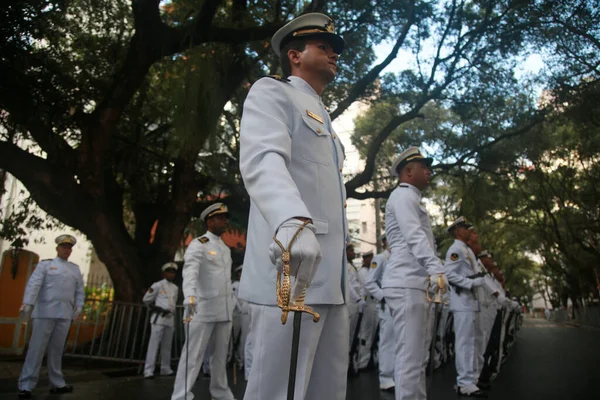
171	374
24	394
61	390
477	393
484	385
148	376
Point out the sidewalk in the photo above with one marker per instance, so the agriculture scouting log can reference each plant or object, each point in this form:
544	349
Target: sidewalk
75	371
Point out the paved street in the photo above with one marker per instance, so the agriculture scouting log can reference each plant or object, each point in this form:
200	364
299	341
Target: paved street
548	361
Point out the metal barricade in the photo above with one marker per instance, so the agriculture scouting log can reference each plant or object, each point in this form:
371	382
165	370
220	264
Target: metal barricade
117	331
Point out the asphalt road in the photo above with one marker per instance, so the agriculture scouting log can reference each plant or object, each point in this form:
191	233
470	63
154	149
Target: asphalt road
548	361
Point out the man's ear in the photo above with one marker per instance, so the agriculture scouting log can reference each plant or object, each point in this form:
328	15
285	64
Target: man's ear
293	56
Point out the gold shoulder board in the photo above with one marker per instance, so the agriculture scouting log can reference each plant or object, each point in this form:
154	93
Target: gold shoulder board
203	239
277	78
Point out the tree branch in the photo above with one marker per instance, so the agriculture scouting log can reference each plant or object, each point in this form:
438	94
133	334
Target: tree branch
47	184
361	85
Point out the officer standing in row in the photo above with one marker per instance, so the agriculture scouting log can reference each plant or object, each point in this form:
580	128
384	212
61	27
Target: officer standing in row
355	301
386	333
162	299
291	161
461	269
54	296
370	317
209	302
413	259
241	326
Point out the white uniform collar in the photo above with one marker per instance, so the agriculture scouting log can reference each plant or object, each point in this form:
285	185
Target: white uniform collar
461	243
413	188
302	85
212	236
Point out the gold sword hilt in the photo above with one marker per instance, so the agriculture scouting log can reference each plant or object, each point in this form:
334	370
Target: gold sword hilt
284	286
190	315
440	290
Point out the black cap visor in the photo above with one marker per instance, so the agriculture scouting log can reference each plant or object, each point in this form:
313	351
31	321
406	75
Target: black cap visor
335	41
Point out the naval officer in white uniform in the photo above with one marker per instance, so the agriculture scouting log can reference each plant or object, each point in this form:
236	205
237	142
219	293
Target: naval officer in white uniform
291	162
461	269
55	294
209	302
412	261
370	316
161	297
386	333
355	302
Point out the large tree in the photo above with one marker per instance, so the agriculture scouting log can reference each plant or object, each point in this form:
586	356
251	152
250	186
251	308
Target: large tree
119	116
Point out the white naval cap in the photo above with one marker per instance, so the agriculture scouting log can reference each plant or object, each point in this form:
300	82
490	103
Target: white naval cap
460	221
367	253
408	155
312	25
169	265
68	239
217	208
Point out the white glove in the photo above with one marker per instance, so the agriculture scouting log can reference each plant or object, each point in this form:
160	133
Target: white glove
189	305
434	286
25	311
501	299
76	312
477	282
361	305
305	253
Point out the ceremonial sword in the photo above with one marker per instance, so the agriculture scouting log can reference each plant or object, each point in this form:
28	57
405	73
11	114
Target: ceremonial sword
439	303
296	306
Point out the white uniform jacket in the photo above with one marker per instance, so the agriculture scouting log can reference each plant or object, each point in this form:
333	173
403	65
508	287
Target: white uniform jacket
291	162
373	282
411	241
461	263
241	306
55	288
207	276
164	295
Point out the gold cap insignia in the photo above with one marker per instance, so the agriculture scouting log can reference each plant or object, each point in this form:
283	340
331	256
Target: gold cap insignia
329	27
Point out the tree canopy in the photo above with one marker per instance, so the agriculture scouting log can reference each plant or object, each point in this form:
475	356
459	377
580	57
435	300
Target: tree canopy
122	118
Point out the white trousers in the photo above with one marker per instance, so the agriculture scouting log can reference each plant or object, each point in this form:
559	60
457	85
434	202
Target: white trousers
248	347
366	333
160	335
386	348
244	331
467	343
322	357
352	321
200	333
441	352
502	339
487	315
413	323
48	334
